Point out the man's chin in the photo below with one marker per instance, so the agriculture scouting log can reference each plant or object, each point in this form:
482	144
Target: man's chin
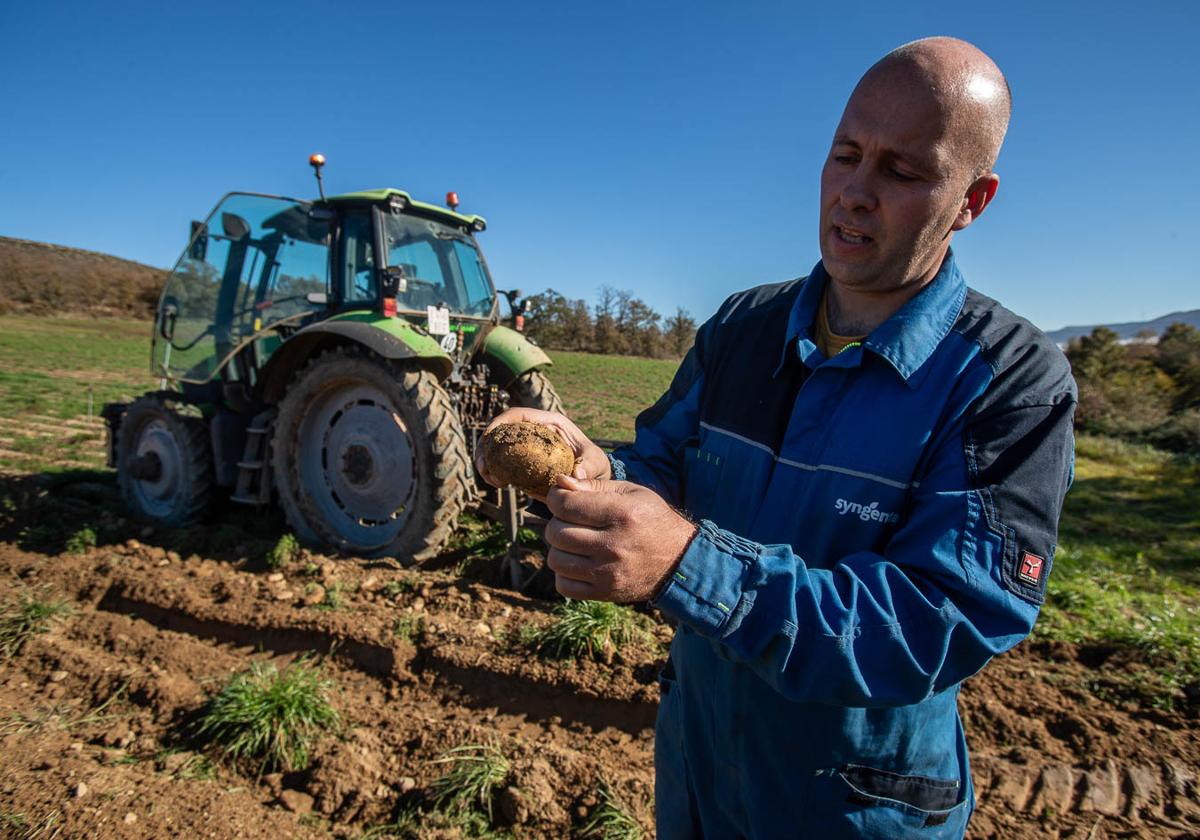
848	273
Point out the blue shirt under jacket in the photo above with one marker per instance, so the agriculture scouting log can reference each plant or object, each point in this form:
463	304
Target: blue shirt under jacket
873	528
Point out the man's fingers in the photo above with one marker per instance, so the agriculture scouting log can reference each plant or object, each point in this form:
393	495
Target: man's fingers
576	539
575	589
595	502
573	566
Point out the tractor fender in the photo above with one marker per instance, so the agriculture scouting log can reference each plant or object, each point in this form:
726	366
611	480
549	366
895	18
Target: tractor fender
508	354
390	338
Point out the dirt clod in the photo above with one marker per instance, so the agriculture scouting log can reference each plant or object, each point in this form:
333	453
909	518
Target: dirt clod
296	801
529	456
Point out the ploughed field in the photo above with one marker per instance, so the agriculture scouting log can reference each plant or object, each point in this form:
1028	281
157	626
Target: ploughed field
461	708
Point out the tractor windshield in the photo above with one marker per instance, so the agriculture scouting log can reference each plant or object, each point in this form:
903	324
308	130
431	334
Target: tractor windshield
258	263
442	265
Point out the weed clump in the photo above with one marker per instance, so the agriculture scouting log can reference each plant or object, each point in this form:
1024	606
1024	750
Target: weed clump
476	772
410	628
82	540
285	550
26	617
612	819
270	716
597	629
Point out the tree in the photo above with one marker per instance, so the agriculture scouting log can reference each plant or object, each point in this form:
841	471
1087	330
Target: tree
681	332
1179	356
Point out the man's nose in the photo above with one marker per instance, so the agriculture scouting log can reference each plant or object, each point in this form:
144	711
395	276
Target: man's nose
858	190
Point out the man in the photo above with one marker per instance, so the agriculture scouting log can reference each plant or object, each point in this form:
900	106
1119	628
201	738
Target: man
876	458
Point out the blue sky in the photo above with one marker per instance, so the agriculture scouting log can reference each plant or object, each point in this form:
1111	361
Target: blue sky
668	148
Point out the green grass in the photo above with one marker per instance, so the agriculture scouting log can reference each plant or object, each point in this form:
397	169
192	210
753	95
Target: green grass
596	629
1127	571
603	394
612	819
270	718
475	772
24	617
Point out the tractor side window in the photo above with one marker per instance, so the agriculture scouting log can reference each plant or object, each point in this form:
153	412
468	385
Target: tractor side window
255	264
358	259
477	289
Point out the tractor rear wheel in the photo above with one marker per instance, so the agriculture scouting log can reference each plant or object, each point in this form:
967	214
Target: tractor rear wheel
533	390
369	458
164	464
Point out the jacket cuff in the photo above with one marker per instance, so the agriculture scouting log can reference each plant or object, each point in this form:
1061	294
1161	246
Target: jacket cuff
704	590
617	467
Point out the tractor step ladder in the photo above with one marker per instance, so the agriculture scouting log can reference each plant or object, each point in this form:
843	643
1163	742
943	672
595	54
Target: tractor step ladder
254	479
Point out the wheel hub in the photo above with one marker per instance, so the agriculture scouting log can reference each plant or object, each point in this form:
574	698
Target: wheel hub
357	464
157	469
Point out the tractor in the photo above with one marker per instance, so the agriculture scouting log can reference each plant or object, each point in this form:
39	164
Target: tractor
340	357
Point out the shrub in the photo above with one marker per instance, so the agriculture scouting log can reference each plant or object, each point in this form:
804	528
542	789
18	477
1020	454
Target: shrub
270	716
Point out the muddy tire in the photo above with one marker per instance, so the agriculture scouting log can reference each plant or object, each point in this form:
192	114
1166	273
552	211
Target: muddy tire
369	457
164	464
533	390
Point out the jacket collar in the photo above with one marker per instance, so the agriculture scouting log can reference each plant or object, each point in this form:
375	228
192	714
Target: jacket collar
906	340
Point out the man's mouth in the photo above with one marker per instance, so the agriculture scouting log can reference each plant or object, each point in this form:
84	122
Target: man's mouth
850	235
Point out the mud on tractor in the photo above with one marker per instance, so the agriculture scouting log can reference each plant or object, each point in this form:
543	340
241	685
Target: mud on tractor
340	357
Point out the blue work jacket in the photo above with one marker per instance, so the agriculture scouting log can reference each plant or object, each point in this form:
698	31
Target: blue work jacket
872	529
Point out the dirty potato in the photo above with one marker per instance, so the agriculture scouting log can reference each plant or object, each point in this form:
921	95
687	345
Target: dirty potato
527	455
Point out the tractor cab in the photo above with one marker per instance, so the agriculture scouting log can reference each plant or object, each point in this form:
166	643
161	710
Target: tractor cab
263	267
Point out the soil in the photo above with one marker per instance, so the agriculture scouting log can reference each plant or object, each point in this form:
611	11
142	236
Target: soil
529	456
95	712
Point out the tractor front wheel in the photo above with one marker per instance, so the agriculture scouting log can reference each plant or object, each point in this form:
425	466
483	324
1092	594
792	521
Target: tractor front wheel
369	458
533	390
164	465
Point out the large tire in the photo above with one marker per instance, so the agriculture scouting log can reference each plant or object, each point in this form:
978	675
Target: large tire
533	390
369	458
164	464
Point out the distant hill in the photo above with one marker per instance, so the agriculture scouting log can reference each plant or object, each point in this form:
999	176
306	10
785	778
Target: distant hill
44	279
1130	329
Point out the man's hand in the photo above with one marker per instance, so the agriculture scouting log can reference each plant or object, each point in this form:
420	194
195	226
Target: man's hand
590	460
612	540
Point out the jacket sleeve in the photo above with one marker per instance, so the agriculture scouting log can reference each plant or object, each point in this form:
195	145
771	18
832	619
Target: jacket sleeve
960	580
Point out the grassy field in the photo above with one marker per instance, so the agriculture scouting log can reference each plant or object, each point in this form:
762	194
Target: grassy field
1126	575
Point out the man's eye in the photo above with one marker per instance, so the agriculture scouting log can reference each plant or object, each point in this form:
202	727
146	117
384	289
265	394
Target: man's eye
903	176
846	159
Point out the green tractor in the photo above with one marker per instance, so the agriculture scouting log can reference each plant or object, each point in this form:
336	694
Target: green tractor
340	356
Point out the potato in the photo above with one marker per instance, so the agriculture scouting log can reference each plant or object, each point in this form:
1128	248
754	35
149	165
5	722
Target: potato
527	455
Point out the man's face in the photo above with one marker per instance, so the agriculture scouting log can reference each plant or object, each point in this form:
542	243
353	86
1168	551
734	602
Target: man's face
891	189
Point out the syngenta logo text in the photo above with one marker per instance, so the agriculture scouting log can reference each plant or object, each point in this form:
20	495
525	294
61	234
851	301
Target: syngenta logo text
867	513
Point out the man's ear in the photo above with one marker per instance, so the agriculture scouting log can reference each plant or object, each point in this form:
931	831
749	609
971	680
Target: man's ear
978	197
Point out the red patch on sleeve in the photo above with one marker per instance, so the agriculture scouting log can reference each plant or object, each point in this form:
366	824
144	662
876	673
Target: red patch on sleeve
1031	568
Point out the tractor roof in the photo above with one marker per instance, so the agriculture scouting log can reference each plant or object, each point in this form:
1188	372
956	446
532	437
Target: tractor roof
432	209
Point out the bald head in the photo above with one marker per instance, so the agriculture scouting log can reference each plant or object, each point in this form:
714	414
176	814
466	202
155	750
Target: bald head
971	93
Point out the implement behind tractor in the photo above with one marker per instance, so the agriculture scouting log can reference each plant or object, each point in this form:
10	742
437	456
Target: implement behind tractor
339	356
